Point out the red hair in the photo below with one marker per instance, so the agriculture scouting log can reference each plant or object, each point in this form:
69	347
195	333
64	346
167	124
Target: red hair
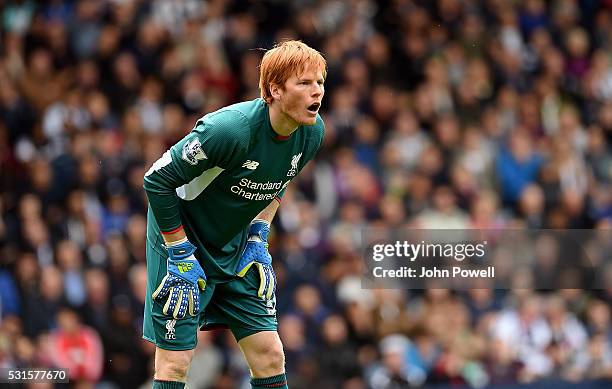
283	61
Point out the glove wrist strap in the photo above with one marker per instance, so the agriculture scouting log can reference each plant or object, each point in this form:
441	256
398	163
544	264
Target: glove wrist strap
180	250
259	229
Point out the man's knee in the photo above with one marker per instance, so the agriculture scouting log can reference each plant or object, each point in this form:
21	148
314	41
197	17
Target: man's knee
172	365
275	358
270	361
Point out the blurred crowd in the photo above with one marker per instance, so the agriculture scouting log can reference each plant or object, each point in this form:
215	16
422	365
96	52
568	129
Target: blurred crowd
486	114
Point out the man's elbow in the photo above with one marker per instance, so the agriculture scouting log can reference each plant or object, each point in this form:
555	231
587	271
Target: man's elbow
151	186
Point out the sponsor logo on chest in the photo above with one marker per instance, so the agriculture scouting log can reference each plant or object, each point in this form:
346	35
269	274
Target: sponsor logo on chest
253	189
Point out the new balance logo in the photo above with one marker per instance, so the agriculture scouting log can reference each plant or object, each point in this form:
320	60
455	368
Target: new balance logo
170	329
252	165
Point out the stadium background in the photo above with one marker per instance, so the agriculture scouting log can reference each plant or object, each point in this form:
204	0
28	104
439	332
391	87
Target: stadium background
445	113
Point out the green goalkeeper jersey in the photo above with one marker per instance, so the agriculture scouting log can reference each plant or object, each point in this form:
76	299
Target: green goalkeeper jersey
220	176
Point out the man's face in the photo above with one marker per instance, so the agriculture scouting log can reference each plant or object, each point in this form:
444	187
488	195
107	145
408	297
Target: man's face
300	98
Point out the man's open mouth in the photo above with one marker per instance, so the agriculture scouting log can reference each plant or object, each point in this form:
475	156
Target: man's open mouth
314	107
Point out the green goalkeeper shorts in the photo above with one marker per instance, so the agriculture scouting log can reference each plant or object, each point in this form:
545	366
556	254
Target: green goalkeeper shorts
232	304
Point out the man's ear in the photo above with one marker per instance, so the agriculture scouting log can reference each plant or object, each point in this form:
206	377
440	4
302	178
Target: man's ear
275	91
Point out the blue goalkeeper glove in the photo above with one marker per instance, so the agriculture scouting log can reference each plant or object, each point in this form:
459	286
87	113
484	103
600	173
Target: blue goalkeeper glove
256	253
183	281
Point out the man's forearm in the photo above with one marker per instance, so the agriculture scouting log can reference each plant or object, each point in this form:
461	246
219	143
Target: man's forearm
268	213
163	201
174	236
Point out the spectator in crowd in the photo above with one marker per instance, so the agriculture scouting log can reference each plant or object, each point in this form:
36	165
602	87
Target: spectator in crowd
76	347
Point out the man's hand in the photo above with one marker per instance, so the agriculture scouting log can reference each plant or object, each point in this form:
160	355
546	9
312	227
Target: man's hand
256	253
183	281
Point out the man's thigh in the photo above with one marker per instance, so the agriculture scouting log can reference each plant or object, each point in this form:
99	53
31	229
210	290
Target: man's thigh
236	305
164	331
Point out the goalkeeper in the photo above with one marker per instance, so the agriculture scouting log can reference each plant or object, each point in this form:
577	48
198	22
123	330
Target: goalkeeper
212	197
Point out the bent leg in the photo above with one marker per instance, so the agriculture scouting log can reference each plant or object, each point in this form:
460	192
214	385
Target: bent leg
263	352
174	339
171	368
